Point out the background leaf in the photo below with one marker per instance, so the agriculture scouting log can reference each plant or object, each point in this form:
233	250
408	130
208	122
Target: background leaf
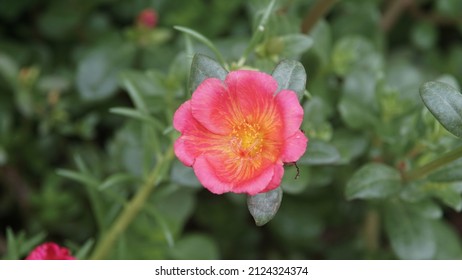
445	103
295	45
449	173
290	74
374	180
411	236
204	67
195	247
320	153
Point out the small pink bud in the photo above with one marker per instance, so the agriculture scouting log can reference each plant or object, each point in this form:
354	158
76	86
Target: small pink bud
50	251
147	18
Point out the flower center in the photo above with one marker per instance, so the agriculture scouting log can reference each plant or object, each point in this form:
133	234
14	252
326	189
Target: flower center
247	139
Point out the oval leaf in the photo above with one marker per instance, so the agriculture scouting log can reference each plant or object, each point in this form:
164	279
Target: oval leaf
320	153
296	44
411	236
204	67
448	245
195	247
264	206
290	74
448	193
449	173
374	180
445	103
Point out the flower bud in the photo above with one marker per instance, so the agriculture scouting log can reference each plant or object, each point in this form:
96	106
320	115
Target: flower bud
147	18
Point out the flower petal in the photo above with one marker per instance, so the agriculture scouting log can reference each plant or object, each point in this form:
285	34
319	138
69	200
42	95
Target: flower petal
253	92
257	184
208	106
207	176
183	152
294	147
50	251
182	117
195	138
291	111
277	178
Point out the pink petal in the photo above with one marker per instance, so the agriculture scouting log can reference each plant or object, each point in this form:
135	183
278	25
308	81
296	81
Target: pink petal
277	178
184	152
50	251
182	117
294	147
207	176
291	110
195	138
250	83
209	106
253	91
257	184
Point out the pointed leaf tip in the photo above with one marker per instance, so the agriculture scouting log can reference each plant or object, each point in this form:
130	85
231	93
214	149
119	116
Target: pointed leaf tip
264	206
203	67
290	74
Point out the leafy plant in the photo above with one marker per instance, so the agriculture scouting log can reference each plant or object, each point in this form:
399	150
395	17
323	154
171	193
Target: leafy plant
86	128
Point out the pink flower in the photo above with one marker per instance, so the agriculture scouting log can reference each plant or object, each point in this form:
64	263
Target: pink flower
147	18
50	251
238	133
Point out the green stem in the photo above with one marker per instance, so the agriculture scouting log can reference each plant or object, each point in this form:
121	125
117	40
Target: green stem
321	7
132	208
201	38
433	165
372	230
258	34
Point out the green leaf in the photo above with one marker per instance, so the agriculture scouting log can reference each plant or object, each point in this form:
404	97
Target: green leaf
298	222
322	43
374	180
195	247
201	38
445	103
116	179
79	177
428	209
97	76
424	35
349	144
85	250
449	173
448	246
448	193
150	209
130	84
138	115
11	245
358	105
175	205
183	175
261	28
145	84
204	67
30	243
295	179
410	235
295	44
320	153
264	206
352	52
8	69
290	74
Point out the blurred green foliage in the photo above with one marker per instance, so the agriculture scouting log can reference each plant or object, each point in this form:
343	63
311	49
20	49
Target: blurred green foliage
86	105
